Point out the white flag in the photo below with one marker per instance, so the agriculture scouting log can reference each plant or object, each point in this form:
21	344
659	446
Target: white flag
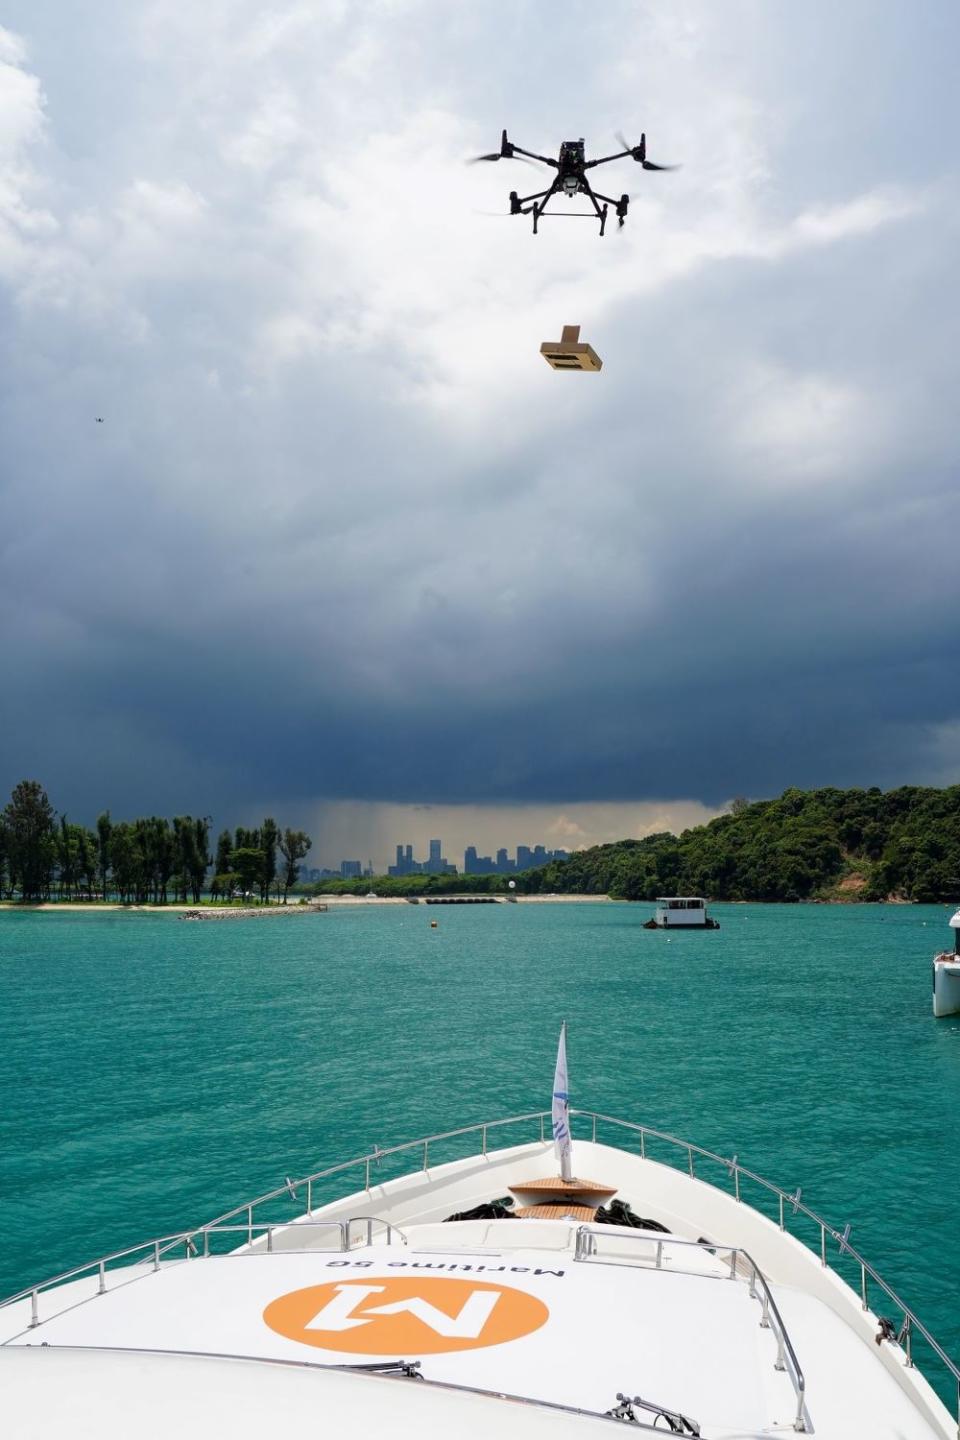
561	1107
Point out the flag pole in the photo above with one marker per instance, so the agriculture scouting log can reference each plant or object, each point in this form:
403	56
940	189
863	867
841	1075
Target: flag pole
561	1108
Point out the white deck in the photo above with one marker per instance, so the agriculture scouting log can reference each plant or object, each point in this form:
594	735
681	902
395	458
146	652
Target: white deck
689	1341
89	1395
682	1333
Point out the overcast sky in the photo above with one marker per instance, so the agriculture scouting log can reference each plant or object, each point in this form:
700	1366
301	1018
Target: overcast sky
345	542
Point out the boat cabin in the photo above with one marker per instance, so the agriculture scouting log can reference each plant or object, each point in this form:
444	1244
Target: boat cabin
682	912
946	975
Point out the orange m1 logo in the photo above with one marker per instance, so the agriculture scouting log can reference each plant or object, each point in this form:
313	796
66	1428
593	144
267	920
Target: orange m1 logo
392	1315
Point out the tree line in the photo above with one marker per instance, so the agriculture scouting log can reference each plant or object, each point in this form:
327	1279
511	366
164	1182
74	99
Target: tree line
824	844
805	845
151	860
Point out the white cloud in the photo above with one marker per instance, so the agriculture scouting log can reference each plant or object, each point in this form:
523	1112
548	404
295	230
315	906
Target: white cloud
163	207
861	215
22	222
800	429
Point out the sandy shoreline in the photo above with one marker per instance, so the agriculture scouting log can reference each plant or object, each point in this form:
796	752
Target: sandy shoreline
346	901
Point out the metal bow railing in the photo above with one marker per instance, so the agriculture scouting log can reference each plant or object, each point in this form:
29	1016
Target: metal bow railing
787	1204
587	1248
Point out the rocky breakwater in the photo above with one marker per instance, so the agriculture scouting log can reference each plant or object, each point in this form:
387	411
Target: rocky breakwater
247	912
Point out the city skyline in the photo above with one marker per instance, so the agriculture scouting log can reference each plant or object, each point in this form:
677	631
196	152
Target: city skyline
363	831
526	857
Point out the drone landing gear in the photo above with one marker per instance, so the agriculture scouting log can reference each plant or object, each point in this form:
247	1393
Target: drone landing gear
619	207
527	204
536	205
601	213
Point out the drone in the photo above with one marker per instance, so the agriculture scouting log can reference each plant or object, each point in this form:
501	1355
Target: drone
571	178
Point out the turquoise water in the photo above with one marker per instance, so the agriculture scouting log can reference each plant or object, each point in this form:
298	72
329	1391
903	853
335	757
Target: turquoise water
155	1073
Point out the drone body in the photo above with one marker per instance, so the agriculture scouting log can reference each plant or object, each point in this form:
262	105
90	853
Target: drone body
571	178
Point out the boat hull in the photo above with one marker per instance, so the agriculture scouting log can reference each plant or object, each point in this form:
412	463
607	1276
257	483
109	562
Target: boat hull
946	986
682	925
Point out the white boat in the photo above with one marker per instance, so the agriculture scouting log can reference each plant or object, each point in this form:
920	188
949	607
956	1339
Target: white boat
389	1309
681	912
946	975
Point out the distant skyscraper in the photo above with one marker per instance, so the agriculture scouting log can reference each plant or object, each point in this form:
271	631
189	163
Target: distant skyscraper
474	864
351	869
406	865
436	864
527	859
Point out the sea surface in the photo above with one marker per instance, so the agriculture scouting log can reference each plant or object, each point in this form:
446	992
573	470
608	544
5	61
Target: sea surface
154	1073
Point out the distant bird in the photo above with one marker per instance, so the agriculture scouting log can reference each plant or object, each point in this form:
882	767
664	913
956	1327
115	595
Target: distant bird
99	419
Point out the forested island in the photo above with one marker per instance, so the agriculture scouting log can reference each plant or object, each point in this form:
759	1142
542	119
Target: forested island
806	845
827	845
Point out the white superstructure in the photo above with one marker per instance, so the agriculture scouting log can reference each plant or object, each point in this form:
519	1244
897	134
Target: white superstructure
682	912
946	975
719	1320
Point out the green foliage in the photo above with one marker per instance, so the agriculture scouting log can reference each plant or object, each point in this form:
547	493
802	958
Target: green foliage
224	848
223	885
269	835
413	885
30	840
814	844
247	862
135	862
294	846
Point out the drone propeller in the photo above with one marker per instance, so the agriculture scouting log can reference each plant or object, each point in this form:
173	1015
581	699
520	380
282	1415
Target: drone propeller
476	159
506	152
639	153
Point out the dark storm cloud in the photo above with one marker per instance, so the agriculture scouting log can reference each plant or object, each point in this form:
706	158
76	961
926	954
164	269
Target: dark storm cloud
342	535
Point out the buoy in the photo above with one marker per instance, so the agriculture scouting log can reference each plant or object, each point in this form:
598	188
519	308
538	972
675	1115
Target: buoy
433	924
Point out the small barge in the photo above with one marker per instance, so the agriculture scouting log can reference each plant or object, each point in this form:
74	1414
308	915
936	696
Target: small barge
681	912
